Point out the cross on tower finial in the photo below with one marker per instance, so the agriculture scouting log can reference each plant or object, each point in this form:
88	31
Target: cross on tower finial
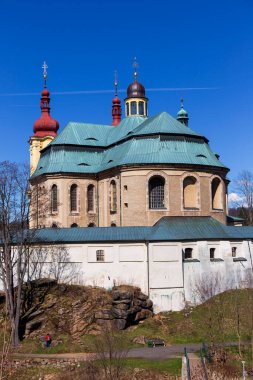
135	65
116	82
182	102
45	67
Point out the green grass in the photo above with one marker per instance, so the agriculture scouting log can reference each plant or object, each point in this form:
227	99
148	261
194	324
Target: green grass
172	366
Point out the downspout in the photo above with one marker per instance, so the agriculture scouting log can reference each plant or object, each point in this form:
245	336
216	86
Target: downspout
37	206
120	200
147	245
98	200
250	257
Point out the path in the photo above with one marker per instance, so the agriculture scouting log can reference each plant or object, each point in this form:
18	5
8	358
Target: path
161	353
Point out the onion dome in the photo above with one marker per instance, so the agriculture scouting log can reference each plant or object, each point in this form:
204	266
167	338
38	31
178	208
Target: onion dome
136	90
182	114
45	125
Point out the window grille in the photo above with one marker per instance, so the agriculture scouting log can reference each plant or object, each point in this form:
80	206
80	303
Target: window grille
156	193
188	253
212	252
234	249
73	198
100	253
54	199
90	197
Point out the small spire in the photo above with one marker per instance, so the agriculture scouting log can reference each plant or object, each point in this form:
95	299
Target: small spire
135	66
182	114
116	82
116	107
45	67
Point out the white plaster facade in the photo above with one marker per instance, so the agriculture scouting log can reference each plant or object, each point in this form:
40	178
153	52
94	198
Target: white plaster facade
159	269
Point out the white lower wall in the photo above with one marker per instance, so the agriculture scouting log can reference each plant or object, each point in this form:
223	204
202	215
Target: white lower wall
159	269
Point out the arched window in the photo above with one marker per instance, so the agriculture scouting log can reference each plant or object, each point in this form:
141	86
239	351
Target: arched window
216	194
73	198
90	198
127	109
141	108
133	108
113	224
54	199
54	225
190	192
113	196
74	225
91	225
234	249
156	192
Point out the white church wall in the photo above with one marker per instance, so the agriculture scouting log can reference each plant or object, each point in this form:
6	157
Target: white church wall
123	264
159	269
166	276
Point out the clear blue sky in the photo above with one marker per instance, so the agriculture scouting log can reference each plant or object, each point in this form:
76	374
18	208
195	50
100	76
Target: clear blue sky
177	43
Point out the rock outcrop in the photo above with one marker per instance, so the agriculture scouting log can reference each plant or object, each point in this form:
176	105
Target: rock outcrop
54	308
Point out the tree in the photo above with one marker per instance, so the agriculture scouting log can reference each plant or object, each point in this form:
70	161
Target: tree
53	262
244	189
16	240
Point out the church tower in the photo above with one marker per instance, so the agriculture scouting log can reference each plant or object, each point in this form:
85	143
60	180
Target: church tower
136	103
45	128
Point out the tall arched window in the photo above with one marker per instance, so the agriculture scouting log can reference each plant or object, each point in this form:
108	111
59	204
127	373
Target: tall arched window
216	194
156	192
141	108
113	196
133	108
90	198
190	192
54	198
73	198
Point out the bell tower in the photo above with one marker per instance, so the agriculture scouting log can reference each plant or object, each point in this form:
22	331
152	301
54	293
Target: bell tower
45	128
136	103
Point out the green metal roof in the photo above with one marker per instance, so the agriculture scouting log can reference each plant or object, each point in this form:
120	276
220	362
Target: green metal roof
166	229
92	148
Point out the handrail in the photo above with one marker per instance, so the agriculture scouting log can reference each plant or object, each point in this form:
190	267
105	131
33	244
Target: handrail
187	365
203	364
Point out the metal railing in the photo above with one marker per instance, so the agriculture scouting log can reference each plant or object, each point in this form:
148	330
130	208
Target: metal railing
203	362
188	369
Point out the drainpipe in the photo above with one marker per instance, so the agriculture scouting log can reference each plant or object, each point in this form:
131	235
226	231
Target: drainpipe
98	200
147	245
120	200
250	258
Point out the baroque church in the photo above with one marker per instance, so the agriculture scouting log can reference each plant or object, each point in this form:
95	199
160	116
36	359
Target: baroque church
130	173
154	191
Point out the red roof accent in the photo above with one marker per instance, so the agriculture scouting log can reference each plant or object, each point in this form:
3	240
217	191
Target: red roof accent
116	110
45	125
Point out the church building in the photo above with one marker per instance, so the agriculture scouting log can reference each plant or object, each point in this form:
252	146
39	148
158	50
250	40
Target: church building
130	173
153	191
